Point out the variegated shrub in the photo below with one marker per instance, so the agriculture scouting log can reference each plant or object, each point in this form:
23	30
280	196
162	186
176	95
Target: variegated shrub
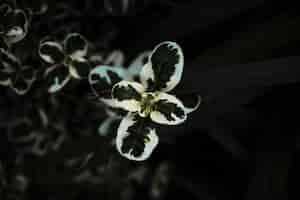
116	59
13	24
146	98
68	60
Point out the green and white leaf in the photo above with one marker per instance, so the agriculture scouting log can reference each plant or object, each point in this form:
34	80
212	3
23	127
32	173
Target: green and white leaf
75	46
135	140
102	79
191	102
79	68
164	69
18	26
168	110
51	52
128	95
57	77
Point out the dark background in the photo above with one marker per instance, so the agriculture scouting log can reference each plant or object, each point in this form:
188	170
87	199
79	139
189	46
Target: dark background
242	57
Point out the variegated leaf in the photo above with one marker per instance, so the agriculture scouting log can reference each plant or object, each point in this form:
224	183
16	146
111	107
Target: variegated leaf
191	102
57	77
128	95
18	26
135	140
102	78
168	110
80	68
51	52
164	69
76	46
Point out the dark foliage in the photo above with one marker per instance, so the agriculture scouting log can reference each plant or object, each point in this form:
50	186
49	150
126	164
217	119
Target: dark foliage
242	143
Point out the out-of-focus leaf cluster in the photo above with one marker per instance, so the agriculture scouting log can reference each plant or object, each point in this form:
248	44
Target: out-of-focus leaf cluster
55	137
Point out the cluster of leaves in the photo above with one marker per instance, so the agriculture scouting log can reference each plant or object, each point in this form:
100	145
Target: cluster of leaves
58	140
47	103
140	92
14	27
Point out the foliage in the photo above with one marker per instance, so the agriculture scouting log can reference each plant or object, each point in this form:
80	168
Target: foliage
83	90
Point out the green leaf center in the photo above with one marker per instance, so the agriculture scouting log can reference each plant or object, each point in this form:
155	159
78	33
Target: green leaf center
147	103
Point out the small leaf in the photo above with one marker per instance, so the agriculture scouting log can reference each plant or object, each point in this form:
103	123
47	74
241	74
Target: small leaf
191	102
80	68
135	140
102	79
128	95
57	77
18	26
51	52
75	46
164	69
168	110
